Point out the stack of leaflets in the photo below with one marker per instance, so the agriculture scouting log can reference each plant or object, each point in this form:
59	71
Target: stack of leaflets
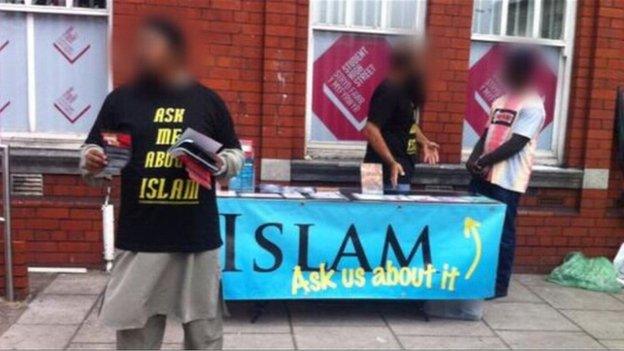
199	147
118	150
371	175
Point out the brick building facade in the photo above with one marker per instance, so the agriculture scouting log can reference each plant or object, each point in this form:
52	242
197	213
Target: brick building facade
255	55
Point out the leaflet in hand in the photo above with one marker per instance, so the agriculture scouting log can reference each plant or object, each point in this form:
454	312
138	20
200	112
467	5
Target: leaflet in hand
118	150
201	148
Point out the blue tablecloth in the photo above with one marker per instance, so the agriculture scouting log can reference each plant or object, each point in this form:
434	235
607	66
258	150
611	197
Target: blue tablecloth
314	249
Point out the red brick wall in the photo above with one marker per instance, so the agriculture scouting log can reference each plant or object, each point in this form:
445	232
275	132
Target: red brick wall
63	228
448	32
20	270
254	54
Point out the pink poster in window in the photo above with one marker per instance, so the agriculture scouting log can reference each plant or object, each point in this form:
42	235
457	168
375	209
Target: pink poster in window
484	86
345	77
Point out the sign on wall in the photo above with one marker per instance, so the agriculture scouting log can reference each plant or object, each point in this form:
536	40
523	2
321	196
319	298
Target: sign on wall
484	86
13	85
281	249
347	69
71	70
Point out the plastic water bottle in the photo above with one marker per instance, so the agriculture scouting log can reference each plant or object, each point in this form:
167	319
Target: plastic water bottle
245	180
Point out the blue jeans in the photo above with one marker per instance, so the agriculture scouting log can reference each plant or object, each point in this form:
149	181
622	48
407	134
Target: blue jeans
508	237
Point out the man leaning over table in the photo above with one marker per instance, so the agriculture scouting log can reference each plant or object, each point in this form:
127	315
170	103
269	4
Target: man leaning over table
167	241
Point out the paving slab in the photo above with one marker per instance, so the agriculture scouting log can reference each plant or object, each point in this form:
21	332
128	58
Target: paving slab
93	331
525	316
412	342
531	279
619	296
274	318
91	283
258	341
58	309
22	336
91	346
407	324
314	313
613	344
317	337
10	312
548	340
518	293
572	298
39	281
600	324
112	346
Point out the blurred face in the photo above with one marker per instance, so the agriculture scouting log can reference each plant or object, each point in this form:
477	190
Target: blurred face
153	52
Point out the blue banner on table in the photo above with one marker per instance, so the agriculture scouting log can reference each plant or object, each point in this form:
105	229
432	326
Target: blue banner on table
285	249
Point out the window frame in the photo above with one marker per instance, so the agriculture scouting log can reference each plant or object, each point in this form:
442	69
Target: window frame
347	149
554	156
32	138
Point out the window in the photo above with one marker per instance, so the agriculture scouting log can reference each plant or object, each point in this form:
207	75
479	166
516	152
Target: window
54	71
349	43
547	23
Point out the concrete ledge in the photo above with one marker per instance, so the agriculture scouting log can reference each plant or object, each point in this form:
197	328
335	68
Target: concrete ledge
335	171
596	178
44	160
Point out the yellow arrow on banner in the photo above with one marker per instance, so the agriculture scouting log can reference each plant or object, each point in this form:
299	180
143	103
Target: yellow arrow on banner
471	229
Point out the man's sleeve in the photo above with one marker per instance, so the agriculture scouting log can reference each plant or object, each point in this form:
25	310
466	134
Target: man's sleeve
381	106
104	121
530	122
231	154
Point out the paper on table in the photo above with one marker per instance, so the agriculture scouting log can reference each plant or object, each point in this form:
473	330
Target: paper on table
328	195
380	197
261	195
293	195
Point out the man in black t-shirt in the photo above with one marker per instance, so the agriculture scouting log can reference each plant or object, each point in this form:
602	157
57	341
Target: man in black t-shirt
391	128
168	236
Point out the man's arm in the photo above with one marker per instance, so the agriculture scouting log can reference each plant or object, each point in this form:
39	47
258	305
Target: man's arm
477	150
528	125
92	156
373	135
377	142
509	148
430	148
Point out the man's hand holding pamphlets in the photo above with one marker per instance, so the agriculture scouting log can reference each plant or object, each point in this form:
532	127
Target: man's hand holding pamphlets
118	150
199	154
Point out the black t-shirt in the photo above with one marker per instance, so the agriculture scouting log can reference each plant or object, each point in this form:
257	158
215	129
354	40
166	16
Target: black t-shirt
162	210
392	110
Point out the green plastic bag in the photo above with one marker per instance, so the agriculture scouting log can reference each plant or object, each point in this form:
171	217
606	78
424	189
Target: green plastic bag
587	273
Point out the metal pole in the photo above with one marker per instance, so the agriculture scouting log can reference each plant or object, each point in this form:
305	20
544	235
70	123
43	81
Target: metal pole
8	247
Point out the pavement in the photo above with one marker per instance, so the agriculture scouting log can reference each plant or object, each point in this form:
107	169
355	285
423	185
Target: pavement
537	314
